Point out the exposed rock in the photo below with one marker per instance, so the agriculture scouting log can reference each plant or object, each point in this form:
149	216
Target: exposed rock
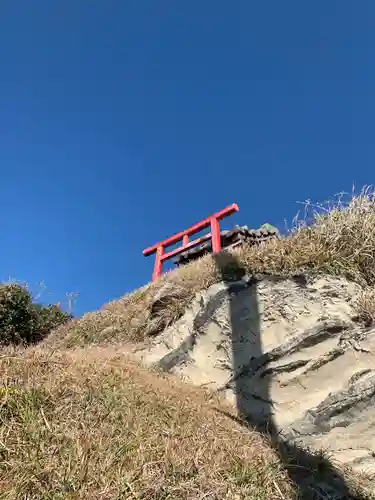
286	352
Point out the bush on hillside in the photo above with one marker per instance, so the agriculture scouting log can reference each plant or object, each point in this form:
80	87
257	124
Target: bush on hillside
21	320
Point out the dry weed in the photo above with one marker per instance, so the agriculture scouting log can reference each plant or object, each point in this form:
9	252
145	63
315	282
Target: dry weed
87	424
364	304
336	238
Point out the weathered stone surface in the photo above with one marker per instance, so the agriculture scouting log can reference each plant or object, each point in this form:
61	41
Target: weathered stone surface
285	351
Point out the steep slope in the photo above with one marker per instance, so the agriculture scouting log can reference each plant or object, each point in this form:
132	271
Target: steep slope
91	425
281	332
288	353
340	242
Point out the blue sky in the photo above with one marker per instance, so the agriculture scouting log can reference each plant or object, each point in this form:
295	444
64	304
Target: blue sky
123	122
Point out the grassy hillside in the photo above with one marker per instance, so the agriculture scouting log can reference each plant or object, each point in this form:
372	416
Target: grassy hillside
78	420
90	425
340	241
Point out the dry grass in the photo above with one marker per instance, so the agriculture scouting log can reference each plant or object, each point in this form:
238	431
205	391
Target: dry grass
364	304
340	241
90	425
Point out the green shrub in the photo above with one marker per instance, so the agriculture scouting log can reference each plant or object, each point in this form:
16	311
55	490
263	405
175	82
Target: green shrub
21	320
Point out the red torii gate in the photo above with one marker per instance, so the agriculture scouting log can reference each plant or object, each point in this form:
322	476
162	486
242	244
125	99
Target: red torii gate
212	221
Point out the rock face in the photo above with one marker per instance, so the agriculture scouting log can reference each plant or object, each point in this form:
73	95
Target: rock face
288	353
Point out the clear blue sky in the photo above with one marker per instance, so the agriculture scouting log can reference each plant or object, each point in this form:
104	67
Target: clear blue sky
122	122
